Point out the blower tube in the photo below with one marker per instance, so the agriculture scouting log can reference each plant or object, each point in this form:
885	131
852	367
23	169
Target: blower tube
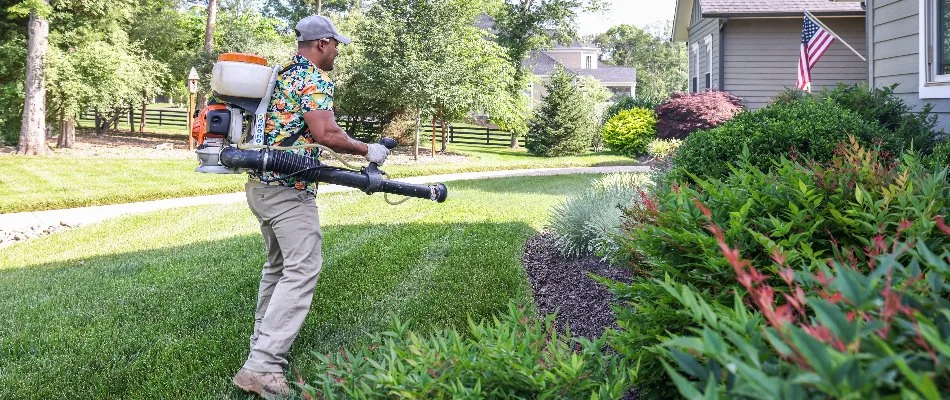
370	180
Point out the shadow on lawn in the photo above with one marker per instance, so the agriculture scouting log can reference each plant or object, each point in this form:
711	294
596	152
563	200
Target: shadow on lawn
174	322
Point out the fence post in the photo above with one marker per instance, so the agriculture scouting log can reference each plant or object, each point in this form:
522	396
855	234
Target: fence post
159	117
487	135
451	134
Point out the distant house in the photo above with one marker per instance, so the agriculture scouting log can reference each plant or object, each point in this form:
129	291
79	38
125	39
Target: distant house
750	47
911	47
579	59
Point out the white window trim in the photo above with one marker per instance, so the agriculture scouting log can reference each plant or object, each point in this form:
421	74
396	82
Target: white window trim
709	60
939	87
588	61
694	51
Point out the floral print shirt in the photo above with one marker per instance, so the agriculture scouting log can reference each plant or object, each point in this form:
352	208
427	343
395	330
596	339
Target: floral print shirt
298	90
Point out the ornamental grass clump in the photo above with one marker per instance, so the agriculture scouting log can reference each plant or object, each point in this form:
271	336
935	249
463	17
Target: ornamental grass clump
515	356
630	132
586	224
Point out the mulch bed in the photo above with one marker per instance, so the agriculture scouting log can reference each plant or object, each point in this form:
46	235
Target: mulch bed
564	286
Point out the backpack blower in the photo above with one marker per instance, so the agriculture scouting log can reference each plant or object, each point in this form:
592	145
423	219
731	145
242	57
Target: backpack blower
230	135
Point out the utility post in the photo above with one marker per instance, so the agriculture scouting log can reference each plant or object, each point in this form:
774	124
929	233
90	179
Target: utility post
192	90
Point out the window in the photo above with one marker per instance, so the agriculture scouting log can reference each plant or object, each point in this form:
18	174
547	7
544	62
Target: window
709	61
588	62
694	65
935	49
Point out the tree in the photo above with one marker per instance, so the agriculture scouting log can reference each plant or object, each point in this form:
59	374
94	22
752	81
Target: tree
395	66
524	26
661	63
208	43
33	127
562	125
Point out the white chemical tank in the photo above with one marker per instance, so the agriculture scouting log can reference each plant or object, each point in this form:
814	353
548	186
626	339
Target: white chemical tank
240	75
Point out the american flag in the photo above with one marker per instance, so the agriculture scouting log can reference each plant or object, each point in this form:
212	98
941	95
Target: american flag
815	41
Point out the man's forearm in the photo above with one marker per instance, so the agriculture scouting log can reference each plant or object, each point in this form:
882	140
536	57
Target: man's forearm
338	141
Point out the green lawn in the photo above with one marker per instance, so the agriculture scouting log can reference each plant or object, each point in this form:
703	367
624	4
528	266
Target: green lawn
160	305
45	183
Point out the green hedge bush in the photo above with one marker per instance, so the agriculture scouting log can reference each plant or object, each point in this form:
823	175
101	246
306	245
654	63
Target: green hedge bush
517	356
806	211
628	102
630	131
810	128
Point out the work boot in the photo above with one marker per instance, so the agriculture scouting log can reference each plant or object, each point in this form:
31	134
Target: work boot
268	385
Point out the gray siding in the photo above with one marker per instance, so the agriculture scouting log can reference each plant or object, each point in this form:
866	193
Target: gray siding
699	66
894	26
761	57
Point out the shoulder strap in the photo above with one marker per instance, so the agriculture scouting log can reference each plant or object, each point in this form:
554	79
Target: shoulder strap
289	141
292	66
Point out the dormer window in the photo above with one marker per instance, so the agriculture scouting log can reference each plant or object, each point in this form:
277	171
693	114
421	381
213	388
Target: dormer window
588	62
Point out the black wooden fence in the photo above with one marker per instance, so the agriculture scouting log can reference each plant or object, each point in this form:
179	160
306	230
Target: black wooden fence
480	136
363	130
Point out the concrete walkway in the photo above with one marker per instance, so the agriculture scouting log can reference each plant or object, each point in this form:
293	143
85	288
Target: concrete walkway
86	215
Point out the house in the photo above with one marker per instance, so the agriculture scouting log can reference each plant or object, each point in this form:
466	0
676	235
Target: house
910	47
580	59
751	47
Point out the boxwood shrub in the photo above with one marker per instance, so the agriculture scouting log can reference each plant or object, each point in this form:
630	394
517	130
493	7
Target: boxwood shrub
630	131
809	128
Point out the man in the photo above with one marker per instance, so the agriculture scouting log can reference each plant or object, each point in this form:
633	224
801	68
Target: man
300	112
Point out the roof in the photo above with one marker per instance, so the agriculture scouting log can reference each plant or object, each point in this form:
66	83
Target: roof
609	74
486	22
725	8
575	45
757	8
541	63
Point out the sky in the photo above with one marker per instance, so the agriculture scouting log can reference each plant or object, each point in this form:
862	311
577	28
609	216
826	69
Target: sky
631	12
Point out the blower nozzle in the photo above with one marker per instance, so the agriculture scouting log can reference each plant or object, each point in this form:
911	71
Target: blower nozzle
369	180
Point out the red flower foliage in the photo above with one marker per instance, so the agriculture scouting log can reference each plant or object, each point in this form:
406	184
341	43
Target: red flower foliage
685	113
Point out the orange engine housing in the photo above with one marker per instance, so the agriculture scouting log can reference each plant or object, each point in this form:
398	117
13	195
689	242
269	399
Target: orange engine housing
199	127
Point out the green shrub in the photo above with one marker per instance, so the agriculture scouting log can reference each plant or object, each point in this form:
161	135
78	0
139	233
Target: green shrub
562	125
940	156
587	223
516	356
630	131
628	102
881	105
870	327
805	211
809	128
663	148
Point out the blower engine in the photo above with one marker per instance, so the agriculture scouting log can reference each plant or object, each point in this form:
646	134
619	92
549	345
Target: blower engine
230	135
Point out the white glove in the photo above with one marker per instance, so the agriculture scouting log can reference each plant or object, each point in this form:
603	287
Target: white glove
376	153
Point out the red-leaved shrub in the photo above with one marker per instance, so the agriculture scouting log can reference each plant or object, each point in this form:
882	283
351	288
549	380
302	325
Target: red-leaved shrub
685	113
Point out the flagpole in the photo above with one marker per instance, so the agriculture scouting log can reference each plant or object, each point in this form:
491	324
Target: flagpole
822	24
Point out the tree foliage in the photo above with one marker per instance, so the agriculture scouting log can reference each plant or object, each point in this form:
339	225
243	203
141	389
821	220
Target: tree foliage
563	125
422	55
661	63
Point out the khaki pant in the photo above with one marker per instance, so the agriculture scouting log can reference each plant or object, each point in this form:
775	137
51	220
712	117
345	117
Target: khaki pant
293	239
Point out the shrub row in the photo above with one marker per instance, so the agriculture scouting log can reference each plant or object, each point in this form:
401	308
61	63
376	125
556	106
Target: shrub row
796	215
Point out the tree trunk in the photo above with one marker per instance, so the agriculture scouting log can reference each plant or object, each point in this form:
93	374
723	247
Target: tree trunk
415	143
33	125
142	116
98	121
433	135
445	133
116	115
67	132
209	44
319	7
514	140
131	117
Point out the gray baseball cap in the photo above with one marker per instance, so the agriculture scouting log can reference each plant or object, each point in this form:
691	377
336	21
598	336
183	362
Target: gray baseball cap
317	27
